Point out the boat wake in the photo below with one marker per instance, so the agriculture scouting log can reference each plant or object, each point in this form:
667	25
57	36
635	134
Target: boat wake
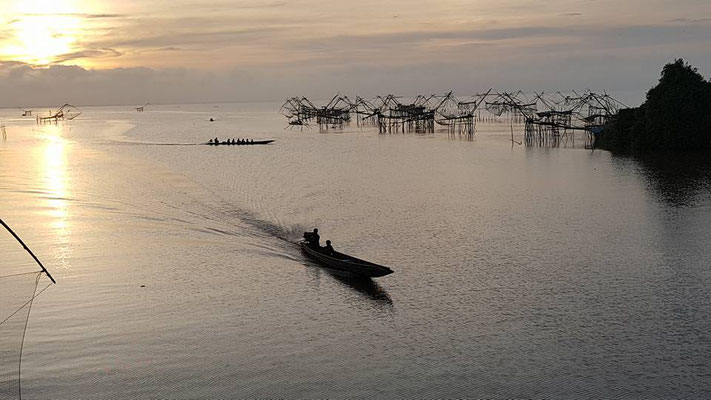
135	143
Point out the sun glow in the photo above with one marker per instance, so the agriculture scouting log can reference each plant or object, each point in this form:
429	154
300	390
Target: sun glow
41	31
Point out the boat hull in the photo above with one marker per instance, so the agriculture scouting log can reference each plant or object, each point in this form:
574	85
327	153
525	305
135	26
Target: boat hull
256	142
343	262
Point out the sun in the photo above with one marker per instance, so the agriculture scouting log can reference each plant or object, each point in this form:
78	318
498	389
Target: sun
42	38
41	31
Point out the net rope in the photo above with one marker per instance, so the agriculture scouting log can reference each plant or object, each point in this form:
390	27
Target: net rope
15	310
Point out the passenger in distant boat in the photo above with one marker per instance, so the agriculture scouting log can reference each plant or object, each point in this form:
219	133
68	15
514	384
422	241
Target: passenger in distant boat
209	141
314	239
217	141
233	141
328	249
251	140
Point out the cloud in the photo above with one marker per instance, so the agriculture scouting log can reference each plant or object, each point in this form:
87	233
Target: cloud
248	50
76	15
626	71
690	20
501	44
209	39
92	54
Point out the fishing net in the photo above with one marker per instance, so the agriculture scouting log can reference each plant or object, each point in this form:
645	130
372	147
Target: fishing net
21	281
17	292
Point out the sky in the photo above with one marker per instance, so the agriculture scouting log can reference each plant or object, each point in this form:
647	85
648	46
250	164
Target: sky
108	52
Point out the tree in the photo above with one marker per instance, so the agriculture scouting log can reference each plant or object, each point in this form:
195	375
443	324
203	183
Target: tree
676	116
678	110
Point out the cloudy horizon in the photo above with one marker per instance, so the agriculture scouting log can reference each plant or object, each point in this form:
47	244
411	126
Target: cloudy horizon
101	53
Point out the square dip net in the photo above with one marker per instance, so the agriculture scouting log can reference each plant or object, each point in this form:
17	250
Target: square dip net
22	279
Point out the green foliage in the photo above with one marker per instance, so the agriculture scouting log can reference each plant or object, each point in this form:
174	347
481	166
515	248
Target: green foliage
675	117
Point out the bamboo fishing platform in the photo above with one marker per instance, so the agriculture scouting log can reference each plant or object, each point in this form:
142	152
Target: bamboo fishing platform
66	112
547	119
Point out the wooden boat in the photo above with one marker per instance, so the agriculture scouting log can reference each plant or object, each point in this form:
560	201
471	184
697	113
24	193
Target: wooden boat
344	262
240	144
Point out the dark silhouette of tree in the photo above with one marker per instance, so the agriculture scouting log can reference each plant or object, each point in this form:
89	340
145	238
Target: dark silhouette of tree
676	116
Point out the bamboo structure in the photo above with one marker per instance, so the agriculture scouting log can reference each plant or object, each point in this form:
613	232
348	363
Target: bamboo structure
459	116
335	114
553	119
395	116
66	112
547	119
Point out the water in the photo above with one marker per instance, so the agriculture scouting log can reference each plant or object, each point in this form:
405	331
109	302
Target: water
519	272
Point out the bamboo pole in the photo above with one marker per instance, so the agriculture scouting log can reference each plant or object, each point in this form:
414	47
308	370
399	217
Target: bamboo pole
28	250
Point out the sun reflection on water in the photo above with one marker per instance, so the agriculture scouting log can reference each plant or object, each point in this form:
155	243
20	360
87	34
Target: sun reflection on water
56	183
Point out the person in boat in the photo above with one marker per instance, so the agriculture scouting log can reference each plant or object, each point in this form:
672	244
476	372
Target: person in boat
209	141
313	239
233	141
328	249
217	141
251	141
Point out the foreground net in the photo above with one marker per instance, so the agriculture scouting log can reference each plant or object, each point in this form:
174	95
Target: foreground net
17	293
18	289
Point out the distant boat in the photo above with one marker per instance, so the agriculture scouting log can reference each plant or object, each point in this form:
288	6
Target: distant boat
244	143
344	262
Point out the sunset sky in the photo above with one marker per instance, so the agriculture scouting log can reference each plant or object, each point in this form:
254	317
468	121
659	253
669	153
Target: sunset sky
120	52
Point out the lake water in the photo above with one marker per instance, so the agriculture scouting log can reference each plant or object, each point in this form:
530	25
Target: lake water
519	271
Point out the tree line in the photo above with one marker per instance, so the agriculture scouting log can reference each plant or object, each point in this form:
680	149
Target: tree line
676	116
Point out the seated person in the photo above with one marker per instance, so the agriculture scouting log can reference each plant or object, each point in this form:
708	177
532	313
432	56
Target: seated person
328	249
313	239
